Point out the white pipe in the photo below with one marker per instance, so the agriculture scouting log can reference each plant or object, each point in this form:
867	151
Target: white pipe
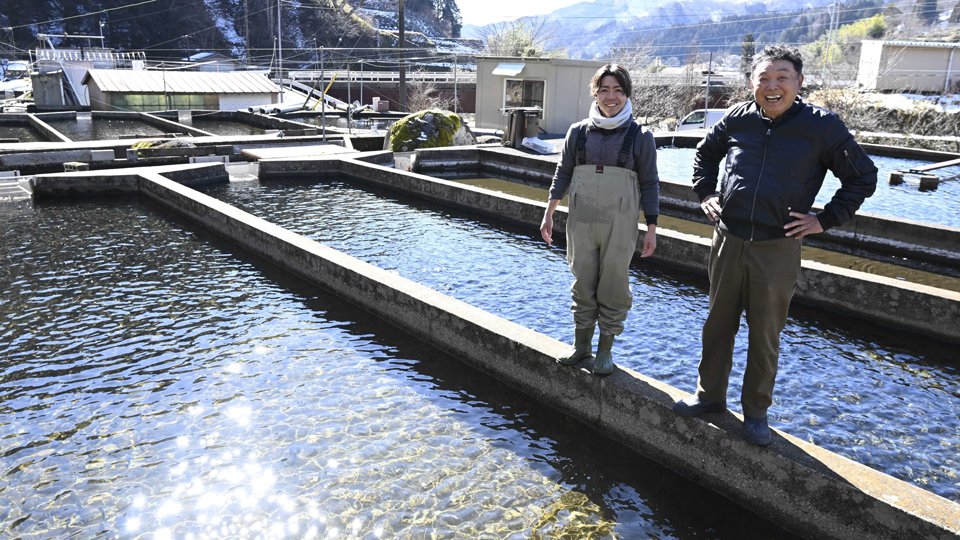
946	83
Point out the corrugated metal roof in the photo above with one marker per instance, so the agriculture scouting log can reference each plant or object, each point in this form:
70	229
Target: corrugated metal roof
181	82
928	44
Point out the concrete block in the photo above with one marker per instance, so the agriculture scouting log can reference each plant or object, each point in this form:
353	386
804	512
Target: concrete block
210	159
72	166
43	158
101	155
9	174
929	182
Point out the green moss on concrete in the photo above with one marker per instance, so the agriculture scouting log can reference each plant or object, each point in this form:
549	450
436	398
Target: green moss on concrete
431	128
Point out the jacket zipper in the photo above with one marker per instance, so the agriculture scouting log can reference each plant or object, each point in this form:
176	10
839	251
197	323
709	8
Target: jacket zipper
846	154
756	189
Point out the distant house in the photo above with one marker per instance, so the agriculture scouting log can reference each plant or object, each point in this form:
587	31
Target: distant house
212	61
559	86
125	90
909	66
58	74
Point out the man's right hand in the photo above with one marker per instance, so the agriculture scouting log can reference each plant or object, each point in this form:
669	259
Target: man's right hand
711	207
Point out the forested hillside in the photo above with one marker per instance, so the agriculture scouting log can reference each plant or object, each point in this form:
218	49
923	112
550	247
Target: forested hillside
240	28
786	26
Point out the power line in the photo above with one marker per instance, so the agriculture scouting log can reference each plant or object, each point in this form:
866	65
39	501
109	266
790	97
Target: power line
84	14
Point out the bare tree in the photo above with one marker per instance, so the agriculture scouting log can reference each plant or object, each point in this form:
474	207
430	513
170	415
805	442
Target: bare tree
422	95
523	37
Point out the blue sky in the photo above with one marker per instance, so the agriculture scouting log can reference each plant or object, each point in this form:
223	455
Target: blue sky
481	12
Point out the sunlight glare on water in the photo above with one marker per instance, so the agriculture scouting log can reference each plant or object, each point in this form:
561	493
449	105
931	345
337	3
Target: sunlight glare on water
154	385
885	400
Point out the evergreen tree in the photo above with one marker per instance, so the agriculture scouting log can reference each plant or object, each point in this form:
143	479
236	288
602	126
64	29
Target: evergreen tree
448	12
926	10
747	50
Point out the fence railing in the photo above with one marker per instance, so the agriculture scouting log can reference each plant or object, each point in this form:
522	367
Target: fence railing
465	77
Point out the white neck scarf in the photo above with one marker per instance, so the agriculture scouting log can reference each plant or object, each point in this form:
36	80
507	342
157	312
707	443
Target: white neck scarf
603	122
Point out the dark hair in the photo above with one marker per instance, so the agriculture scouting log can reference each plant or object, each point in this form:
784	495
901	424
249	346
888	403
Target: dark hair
778	52
617	71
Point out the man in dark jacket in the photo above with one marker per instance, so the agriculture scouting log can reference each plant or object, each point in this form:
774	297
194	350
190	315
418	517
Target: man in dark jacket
778	149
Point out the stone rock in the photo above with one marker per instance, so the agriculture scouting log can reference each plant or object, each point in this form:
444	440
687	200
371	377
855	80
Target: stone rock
431	128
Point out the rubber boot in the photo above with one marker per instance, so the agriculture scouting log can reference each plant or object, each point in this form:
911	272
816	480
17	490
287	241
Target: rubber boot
603	365
582	347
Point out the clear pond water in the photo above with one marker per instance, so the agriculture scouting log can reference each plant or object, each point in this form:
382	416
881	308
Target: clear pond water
902	201
154	384
85	128
23	133
889	401
223	127
376	125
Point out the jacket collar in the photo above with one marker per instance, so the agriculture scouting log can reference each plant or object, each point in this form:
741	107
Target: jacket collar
789	113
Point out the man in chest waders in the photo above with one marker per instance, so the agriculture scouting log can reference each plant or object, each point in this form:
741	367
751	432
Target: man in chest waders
608	164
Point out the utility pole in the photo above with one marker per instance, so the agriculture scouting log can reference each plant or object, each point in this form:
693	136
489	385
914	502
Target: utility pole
349	103
403	69
246	30
280	51
706	98
825	61
323	99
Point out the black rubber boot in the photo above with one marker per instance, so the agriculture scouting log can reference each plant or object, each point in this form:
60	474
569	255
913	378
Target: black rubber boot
603	365
582	347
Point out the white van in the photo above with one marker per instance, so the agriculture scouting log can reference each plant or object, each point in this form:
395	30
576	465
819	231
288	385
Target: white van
700	119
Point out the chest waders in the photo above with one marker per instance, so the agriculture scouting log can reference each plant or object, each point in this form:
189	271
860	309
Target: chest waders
602	231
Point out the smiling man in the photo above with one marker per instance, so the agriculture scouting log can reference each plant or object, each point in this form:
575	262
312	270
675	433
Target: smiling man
778	149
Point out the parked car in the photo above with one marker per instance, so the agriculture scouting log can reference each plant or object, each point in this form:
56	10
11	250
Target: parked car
700	119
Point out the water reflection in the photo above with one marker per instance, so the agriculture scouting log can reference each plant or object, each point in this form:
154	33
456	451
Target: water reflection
224	127
825	361
904	201
22	133
155	385
833	258
97	129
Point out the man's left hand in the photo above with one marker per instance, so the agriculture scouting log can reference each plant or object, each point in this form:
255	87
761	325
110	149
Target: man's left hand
802	226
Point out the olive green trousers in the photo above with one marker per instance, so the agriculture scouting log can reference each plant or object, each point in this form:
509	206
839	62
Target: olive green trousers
759	278
602	231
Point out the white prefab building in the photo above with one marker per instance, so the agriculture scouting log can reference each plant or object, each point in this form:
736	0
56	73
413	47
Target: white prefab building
559	86
125	90
909	66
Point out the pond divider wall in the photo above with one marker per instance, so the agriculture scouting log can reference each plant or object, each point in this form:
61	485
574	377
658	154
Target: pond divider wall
800	486
898	304
46	129
866	232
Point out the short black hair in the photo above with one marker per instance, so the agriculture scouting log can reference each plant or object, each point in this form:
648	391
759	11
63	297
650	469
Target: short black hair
618	72
778	52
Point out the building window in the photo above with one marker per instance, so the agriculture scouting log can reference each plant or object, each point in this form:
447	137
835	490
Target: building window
521	93
160	102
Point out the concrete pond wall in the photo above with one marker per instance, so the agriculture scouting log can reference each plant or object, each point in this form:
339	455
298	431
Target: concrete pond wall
802	487
902	305
867	233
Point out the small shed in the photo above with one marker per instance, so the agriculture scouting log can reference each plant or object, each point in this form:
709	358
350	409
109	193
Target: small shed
909	66
212	61
127	90
557	85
